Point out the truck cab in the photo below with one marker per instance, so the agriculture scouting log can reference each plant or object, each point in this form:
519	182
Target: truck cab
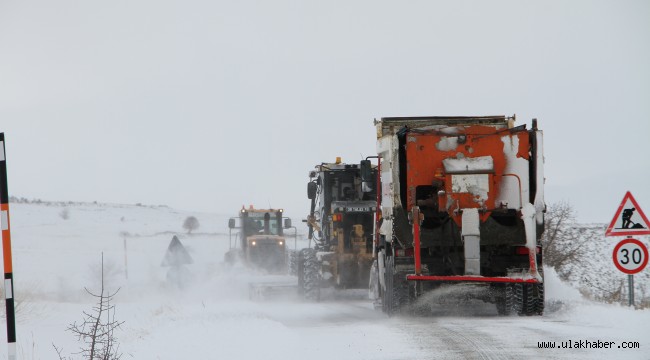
261	244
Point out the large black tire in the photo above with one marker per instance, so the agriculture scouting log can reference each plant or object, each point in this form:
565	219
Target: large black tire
539	309
504	301
525	299
396	294
309	275
519	298
292	258
522	298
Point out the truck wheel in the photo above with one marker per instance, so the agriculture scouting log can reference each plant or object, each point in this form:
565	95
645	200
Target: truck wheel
528	299
293	262
534	302
531	299
387	301
309	276
518	299
505	301
397	291
539	310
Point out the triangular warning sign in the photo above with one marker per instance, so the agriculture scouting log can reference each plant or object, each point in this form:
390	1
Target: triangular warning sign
176	254
629	219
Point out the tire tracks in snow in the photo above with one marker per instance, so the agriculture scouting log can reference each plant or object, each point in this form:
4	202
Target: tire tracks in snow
444	339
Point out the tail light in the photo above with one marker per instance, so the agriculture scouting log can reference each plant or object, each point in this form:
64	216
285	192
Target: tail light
404	252
523	250
337	217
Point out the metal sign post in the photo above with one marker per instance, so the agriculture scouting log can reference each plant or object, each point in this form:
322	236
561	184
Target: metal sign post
630	284
6	251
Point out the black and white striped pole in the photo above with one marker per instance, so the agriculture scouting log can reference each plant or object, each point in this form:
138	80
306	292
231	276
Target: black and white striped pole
6	251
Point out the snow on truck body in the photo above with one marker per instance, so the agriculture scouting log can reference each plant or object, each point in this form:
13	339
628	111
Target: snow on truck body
461	201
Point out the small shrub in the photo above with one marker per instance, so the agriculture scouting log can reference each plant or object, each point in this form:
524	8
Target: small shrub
64	214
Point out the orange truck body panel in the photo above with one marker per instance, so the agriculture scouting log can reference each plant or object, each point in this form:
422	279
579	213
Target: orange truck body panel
425	165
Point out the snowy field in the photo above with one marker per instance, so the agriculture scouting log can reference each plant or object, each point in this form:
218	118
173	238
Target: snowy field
214	318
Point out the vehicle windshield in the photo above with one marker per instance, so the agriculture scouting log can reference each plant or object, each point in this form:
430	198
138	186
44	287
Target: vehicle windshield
347	186
255	224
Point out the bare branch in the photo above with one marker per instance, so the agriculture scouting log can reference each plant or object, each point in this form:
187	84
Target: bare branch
96	331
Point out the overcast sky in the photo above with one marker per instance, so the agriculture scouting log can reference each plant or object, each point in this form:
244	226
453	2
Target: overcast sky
208	105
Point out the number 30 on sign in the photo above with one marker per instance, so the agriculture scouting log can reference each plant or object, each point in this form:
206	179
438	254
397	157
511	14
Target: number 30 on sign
630	256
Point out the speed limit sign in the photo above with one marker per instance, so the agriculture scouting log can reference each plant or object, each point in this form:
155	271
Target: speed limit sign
630	256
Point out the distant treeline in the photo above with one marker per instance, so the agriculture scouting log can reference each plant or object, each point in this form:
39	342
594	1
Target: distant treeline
24	200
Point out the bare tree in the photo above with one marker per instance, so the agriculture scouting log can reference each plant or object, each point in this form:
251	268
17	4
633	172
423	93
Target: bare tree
563	240
190	223
64	214
96	331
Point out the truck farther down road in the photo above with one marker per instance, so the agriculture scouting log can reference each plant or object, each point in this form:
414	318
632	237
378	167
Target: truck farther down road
261	244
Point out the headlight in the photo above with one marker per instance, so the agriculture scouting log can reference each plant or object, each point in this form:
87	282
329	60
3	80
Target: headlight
253	243
280	242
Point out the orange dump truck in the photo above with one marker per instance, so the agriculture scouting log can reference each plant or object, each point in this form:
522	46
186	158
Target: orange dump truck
462	202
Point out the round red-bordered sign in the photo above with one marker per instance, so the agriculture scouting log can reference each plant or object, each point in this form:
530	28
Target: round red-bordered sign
630	256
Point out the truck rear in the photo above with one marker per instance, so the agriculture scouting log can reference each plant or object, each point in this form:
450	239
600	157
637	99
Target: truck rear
462	202
341	224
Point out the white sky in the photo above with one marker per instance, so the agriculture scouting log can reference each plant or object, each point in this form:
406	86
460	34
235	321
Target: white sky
208	105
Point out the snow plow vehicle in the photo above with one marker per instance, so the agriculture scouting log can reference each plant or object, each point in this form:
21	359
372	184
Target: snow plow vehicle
341	224
261	243
462	205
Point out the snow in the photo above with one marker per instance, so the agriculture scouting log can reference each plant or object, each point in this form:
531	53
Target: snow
447	143
463	164
449	130
386	149
476	184
539	203
213	317
557	290
528	214
513	191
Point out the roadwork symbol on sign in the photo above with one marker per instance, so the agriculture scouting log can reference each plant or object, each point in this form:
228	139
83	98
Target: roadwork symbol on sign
630	256
629	219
